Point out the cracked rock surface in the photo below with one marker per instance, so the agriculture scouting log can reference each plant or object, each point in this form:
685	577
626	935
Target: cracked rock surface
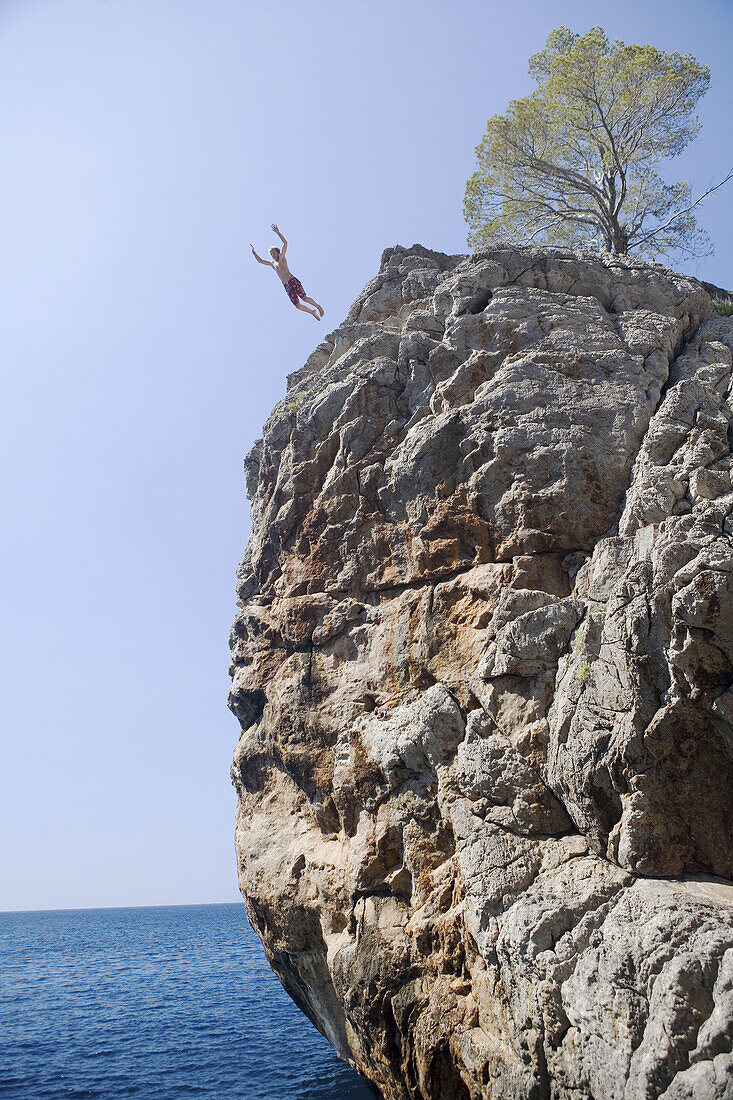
483	668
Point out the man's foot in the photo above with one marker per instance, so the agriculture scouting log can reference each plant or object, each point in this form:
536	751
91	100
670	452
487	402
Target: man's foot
321	309
314	314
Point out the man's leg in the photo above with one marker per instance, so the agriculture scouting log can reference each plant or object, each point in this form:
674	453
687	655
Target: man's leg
305	299
306	310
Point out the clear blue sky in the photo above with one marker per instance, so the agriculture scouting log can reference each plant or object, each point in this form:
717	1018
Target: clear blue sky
144	144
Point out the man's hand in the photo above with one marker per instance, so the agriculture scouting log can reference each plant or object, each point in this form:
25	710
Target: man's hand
284	248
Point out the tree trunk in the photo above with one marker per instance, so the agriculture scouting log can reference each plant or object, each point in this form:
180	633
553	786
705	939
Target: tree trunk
620	238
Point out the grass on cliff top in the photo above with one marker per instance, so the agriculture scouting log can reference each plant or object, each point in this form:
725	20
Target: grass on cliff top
725	309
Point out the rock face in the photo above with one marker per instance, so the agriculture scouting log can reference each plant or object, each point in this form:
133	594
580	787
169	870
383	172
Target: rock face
484	674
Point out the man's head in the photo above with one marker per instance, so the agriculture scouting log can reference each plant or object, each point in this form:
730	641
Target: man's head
275	253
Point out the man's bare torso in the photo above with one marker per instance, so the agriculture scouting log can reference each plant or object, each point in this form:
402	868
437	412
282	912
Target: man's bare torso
282	269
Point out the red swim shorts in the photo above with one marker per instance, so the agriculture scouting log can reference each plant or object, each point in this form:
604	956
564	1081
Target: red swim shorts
294	290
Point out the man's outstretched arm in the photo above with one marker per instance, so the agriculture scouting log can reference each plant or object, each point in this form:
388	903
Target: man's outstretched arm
284	248
267	263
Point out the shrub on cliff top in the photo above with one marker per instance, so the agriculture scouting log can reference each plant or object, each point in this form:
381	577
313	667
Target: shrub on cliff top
574	162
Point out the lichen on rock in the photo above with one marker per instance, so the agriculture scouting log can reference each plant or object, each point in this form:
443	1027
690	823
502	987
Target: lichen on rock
483	668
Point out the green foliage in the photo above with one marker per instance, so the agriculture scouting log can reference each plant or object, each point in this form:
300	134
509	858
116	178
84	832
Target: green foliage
725	309
295	404
583	672
574	162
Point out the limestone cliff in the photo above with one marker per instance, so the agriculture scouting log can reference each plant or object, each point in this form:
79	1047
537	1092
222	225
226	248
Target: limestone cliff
484	674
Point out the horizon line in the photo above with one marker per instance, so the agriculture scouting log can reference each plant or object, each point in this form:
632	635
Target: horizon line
111	908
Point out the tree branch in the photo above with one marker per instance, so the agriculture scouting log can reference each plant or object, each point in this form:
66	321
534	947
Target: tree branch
679	214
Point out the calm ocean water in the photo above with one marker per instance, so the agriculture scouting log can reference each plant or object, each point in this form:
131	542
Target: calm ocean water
164	1003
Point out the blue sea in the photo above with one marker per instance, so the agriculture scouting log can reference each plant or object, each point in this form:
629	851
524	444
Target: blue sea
161	1003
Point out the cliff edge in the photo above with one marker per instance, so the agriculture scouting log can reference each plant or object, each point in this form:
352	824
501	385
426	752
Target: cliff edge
484	673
